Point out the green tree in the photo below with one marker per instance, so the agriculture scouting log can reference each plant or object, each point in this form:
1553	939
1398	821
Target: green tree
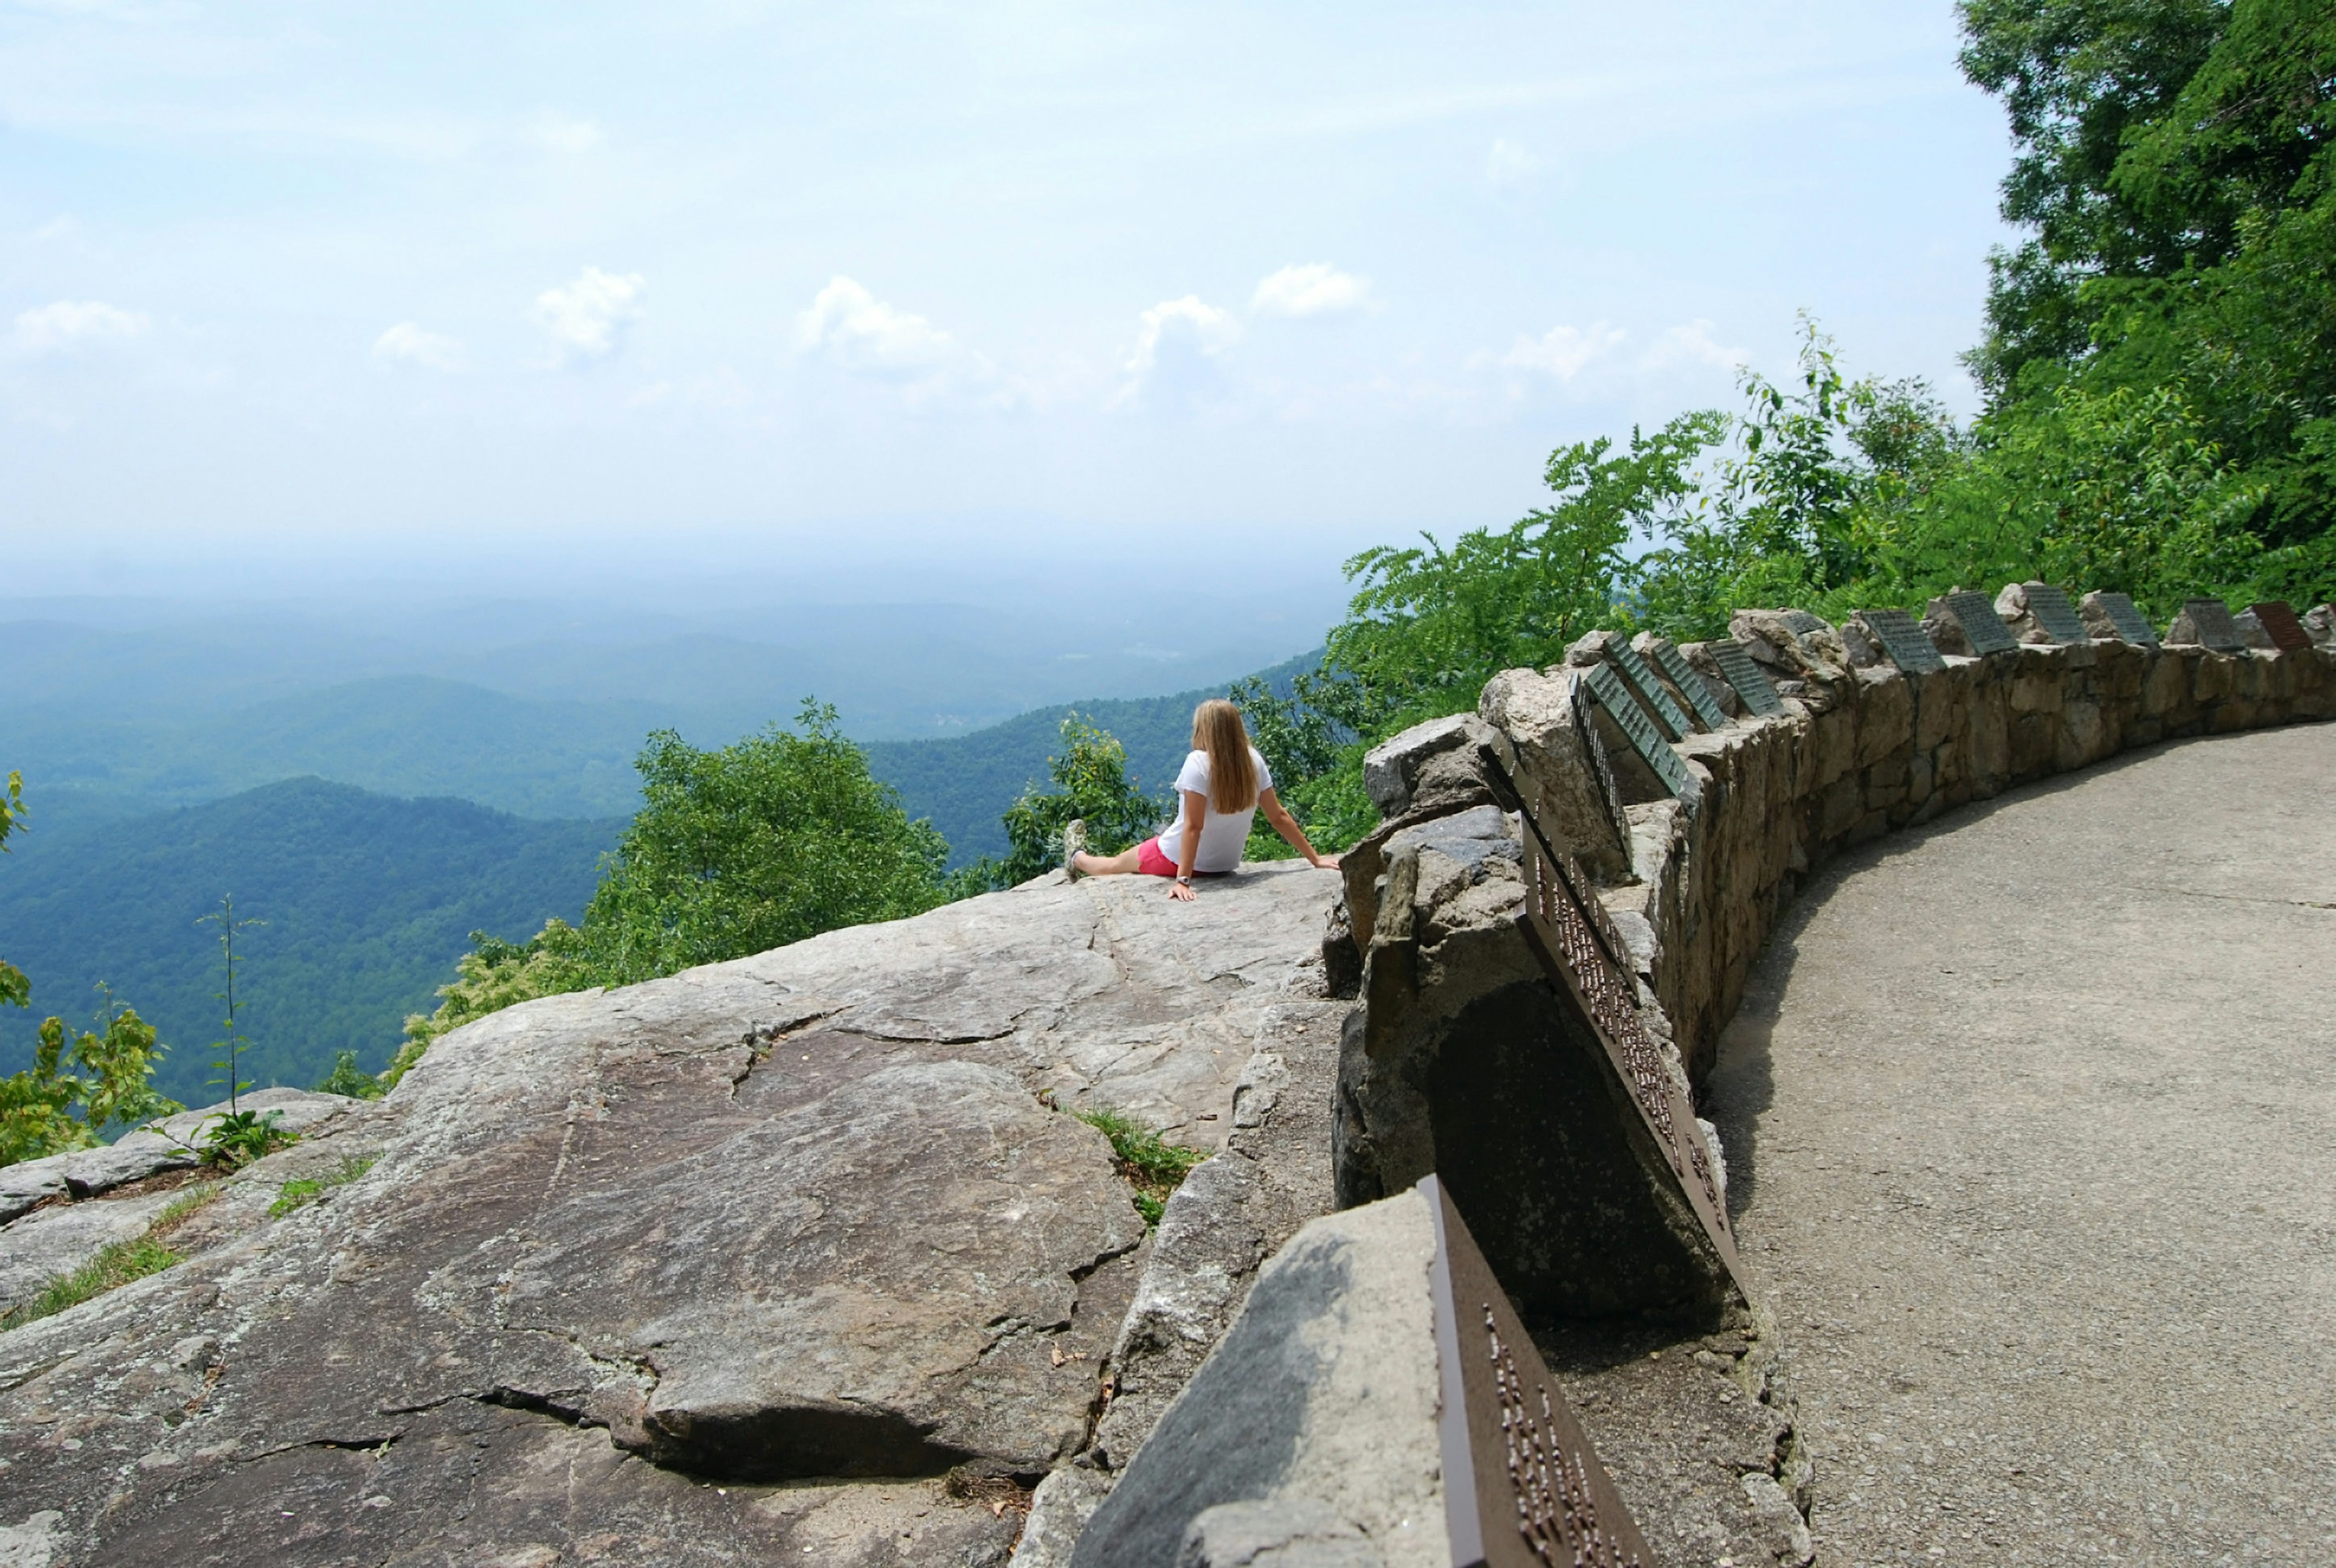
754	845
1091	784
1430	624
734	851
2176	175
49	1110
1814	479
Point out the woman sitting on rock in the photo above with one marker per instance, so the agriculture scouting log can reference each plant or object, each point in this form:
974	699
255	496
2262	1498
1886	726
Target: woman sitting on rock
1219	791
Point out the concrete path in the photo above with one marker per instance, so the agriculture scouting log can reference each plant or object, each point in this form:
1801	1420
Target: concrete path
2031	1118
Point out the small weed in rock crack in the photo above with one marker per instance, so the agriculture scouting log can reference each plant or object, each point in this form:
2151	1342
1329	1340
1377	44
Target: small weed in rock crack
178	1211
303	1190
1154	1168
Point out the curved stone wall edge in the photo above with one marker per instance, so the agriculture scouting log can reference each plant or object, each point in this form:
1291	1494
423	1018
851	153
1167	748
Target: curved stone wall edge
1862	751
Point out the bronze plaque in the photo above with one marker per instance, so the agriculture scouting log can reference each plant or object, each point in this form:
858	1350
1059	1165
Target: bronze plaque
1751	683
1636	725
1569	947
1644	684
1910	647
1982	628
1674	665
1803	623
2055	614
2211	617
2277	618
2131	625
1523	1487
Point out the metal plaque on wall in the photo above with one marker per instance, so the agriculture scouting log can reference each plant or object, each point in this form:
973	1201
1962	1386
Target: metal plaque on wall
1608	796
2277	618
1750	682
1910	647
2211	619
2131	625
1982	628
1644	684
1534	1493
2055	614
1637	726
1683	675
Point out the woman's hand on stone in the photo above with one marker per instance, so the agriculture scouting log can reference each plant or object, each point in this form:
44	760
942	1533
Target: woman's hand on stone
1180	892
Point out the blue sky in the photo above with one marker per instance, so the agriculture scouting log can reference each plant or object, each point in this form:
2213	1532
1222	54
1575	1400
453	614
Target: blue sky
821	295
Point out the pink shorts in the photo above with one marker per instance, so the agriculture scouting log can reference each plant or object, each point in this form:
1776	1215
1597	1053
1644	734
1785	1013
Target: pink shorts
1151	862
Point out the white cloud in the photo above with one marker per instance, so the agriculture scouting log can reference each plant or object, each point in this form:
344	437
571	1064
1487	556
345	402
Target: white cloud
861	332
1186	324
557	133
1316	288
1562	351
585	318
1691	342
71	325
407	342
1509	164
1176	343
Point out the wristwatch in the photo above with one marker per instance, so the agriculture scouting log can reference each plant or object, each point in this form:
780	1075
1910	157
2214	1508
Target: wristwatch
1183	881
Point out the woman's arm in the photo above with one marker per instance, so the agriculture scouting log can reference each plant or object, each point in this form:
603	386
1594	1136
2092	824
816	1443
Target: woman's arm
1287	826
1197	815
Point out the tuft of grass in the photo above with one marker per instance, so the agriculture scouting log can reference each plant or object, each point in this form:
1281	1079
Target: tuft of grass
1153	1167
178	1211
303	1190
115	1266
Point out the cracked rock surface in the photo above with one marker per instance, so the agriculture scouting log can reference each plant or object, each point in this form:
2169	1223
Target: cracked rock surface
729	1267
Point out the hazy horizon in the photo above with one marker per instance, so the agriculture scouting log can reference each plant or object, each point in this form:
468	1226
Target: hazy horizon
968	303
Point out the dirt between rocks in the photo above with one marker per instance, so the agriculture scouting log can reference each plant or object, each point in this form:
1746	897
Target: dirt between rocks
2027	1119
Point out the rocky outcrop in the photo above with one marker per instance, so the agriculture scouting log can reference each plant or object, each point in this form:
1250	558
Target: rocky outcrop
799	1255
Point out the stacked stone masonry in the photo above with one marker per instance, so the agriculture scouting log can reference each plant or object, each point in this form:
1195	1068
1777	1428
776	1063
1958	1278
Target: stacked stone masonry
1860	751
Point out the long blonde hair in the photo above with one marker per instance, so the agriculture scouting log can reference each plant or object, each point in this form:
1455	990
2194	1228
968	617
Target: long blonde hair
1218	730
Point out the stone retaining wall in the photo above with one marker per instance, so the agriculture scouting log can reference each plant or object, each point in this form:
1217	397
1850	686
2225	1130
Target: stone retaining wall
1472	1057
1858	751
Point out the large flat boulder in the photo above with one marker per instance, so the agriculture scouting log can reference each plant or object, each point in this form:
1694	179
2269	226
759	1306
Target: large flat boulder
763	1261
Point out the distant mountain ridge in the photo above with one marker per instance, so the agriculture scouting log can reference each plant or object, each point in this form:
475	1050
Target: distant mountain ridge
371	883
368	900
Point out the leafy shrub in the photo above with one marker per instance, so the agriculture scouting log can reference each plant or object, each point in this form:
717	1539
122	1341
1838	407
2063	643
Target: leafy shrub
46	1110
348	1078
234	1139
1091	784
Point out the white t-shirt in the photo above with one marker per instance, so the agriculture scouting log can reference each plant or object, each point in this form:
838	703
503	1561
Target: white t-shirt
1224	833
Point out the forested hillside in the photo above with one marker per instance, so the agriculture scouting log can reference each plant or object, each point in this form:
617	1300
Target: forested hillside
367	901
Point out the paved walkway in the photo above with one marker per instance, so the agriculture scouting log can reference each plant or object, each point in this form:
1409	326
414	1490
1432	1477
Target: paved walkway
2032	1118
